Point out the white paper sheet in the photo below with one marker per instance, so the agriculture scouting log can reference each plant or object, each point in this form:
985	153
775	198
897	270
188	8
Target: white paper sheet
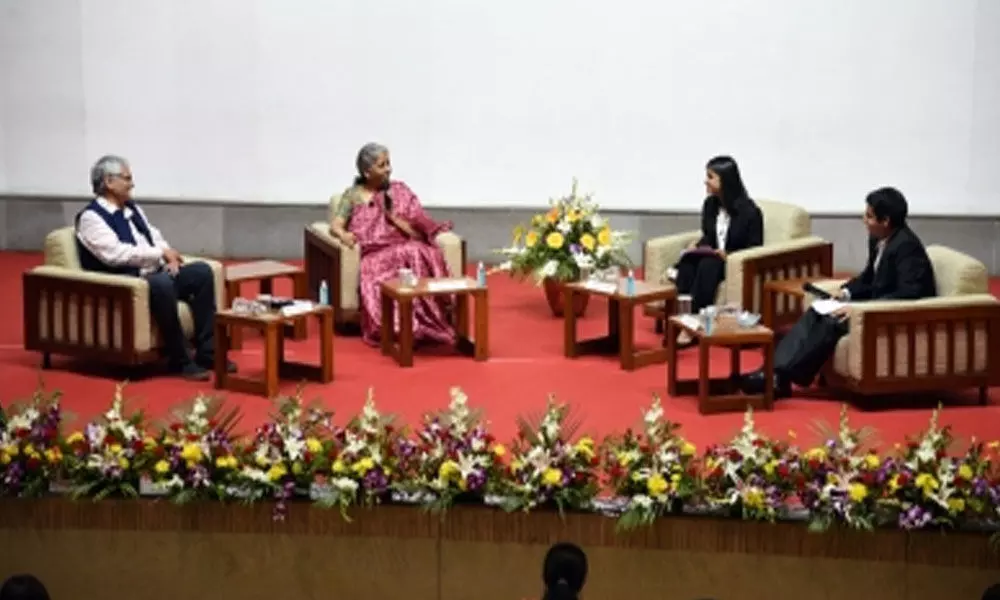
604	287
444	285
825	307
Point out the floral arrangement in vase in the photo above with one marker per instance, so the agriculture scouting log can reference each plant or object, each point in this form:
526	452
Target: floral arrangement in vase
364	461
110	455
453	456
30	452
196	455
547	469
654	470
925	488
567	240
843	481
751	476
287	453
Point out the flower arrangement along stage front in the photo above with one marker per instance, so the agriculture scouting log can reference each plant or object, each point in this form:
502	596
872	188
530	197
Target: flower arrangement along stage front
451	457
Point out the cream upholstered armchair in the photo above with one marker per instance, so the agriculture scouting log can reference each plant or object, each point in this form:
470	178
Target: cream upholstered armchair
789	251
100	316
329	260
951	341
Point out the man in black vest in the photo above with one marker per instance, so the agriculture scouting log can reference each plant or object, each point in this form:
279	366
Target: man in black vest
114	236
898	269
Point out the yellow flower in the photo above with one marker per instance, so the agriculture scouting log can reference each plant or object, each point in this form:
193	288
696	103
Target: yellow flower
604	237
149	442
162	467
338	466
553	215
588	242
531	239
499	450
872	461
74	437
624	459
449	470
11	450
54	455
537	220
675	478
927	483
816	453
115	448
30	451
191	453
585	447
313	445
4	458
555	240
857	492
123	463
297	468
965	472
956	505
657	485
573	216
552	477
770	467
753	498
261	460
894	483
688	449
516	466
226	462
277	472
364	465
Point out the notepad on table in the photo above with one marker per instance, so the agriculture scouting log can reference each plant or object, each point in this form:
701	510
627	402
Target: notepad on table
825	307
446	285
603	287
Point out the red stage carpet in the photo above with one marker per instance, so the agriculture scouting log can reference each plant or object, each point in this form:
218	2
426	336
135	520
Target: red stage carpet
526	365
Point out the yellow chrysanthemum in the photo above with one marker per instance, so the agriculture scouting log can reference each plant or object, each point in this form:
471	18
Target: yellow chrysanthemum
162	467
585	447
770	466
657	485
555	240
816	453
588	242
956	505
965	472
226	462
552	477
872	461
753	498
449	470
927	483
191	453
499	450
74	437
363	466
4	458
338	466
573	216
604	237
531	239
313	445
857	492
53	455
277	472
688	449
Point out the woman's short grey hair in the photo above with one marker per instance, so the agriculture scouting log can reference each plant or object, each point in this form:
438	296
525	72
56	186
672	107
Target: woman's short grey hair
105	167
367	157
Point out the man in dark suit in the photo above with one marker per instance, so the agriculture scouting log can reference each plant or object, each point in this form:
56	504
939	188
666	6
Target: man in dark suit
898	269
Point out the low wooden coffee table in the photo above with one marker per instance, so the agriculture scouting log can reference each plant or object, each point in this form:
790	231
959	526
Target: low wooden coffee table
723	394
620	339
265	272
395	294
272	326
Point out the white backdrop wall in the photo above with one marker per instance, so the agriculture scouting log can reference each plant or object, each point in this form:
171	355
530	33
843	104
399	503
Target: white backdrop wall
501	103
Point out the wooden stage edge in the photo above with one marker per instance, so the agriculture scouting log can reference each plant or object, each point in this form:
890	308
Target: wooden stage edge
74	544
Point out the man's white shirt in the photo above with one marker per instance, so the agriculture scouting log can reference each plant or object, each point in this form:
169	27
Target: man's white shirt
97	236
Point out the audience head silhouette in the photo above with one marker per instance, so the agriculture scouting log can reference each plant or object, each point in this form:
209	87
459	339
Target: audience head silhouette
723	180
992	592
564	572
23	587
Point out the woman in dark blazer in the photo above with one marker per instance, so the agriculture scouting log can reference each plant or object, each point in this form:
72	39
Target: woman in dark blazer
730	222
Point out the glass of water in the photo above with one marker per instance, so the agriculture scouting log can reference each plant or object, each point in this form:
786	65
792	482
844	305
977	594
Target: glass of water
684	304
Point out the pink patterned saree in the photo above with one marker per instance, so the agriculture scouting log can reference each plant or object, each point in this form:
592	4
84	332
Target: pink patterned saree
385	249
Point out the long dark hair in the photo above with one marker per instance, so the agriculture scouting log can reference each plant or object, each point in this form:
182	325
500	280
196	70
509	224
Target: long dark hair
564	572
733	192
23	587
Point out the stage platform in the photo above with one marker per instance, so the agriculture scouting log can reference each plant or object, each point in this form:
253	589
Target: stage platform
161	551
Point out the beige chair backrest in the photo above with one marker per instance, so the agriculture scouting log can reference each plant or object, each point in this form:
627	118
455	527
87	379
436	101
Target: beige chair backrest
956	273
60	248
783	221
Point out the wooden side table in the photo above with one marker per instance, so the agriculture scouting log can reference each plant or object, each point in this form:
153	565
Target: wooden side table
272	327
265	272
722	394
400	347
620	339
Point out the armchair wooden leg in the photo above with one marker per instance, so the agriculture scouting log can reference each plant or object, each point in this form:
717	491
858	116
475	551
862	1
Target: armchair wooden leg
984	395
46	360
658	327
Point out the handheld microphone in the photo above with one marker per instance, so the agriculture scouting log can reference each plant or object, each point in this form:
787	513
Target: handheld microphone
388	198
816	291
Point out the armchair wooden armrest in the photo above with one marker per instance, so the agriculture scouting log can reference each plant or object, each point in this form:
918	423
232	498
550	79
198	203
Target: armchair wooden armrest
748	270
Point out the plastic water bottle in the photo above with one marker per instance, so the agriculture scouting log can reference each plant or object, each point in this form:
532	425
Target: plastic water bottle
324	293
481	275
707	321
630	283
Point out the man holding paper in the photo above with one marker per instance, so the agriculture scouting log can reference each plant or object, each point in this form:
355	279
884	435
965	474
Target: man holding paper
898	269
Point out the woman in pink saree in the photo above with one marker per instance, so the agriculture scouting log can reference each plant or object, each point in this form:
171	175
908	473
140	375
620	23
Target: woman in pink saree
385	220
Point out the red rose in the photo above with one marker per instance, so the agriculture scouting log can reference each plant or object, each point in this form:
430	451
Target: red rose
33	464
783	471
